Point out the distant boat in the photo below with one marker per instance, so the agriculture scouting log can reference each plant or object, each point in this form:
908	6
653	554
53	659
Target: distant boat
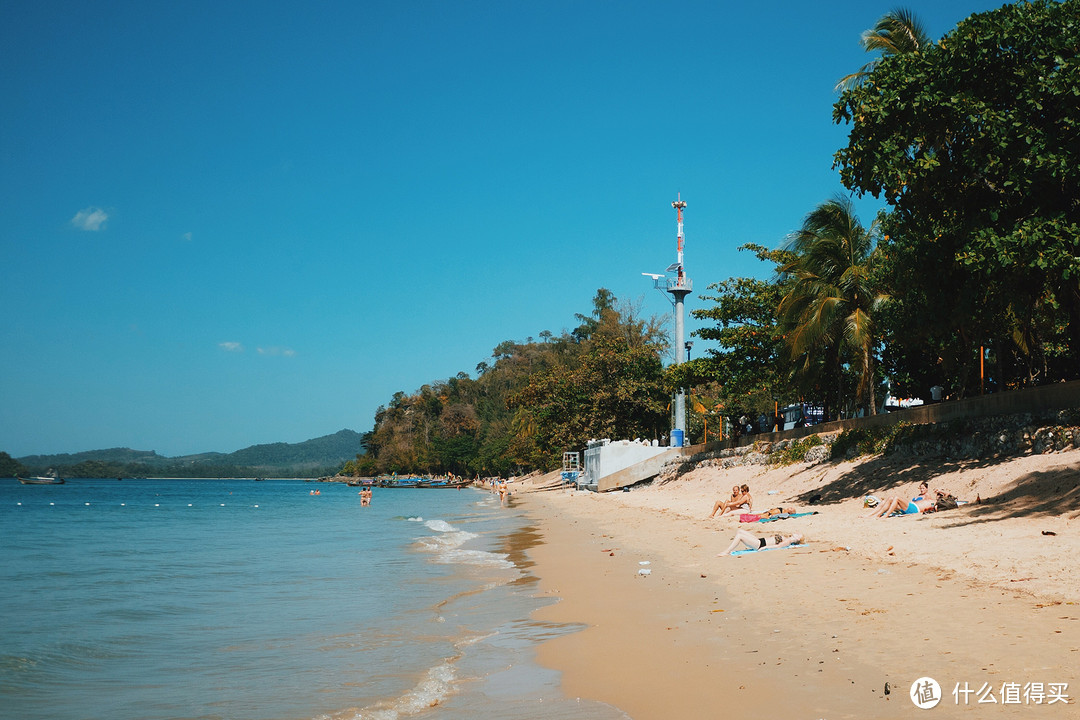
40	480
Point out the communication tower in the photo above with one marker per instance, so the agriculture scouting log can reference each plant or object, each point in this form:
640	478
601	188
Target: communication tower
678	287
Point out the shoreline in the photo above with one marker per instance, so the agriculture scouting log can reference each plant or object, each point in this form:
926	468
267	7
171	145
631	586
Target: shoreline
978	595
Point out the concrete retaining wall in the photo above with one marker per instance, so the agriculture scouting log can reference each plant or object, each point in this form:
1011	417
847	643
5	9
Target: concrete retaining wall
1046	398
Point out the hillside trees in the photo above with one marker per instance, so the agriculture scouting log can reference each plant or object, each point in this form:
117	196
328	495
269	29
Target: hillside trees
531	401
613	389
975	145
10	467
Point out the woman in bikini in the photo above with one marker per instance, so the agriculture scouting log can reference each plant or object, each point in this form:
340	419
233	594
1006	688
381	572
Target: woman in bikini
741	500
921	503
735	492
752	542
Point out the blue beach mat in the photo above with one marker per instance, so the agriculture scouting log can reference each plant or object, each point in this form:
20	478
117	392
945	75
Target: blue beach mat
785	516
748	551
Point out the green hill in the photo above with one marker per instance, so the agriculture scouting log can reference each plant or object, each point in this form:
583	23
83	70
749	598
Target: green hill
318	456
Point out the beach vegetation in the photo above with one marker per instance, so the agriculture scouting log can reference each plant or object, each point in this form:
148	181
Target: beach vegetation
832	298
747	370
898	32
972	142
794	451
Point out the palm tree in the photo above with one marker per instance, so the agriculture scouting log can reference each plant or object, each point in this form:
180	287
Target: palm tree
898	32
829	307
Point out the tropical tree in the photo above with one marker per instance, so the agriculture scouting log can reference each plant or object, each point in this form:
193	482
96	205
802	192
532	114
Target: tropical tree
975	144
898	32
831	299
748	366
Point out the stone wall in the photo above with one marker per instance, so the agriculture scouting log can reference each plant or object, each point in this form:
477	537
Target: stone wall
962	438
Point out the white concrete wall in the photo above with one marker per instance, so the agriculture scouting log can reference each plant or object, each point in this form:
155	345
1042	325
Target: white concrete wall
603	460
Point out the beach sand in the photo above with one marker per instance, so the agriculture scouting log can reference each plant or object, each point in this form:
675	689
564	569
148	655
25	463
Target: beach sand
977	598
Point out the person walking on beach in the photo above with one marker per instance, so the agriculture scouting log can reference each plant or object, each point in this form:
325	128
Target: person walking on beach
752	542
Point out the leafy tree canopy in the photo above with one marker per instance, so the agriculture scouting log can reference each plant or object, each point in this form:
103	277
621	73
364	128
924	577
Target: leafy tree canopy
975	144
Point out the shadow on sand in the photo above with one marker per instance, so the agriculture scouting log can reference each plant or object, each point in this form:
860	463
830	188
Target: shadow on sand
1043	493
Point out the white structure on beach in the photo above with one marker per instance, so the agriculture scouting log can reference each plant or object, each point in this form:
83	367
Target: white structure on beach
606	457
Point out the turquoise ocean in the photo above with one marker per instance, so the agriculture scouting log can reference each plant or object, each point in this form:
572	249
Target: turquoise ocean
236	599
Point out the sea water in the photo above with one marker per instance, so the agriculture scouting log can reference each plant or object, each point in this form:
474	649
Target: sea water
238	599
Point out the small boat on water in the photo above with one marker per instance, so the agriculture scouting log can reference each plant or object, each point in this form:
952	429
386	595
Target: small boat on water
42	480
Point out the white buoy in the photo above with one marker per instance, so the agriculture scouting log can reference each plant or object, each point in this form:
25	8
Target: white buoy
157	504
189	504
123	504
52	503
256	506
222	504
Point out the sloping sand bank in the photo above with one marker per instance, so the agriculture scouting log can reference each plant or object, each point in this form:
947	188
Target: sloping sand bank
980	599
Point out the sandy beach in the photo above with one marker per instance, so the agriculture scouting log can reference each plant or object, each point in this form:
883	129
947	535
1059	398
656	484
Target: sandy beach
982	599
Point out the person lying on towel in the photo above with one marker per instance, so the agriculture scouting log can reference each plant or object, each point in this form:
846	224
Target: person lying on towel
773	512
752	542
923	502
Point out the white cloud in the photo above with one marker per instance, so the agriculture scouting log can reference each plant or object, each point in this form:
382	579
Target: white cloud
277	351
231	347
90	219
186	237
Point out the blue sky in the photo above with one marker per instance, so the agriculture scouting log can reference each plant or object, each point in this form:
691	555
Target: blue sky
224	224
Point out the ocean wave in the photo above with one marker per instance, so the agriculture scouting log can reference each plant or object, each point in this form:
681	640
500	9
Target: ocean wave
447	547
435	687
441	526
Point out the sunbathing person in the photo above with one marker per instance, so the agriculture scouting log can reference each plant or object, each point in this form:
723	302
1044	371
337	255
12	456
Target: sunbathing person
923	502
741	502
735	492
752	542
773	512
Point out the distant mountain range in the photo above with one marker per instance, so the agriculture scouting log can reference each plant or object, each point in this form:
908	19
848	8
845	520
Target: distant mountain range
312	458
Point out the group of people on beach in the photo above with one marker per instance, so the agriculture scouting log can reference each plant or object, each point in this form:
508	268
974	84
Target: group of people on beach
925	501
742	500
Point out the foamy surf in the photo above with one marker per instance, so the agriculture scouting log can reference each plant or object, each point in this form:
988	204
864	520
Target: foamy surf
435	687
447	547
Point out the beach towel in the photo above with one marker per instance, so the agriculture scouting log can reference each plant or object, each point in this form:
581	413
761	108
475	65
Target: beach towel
748	551
749	517
785	516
